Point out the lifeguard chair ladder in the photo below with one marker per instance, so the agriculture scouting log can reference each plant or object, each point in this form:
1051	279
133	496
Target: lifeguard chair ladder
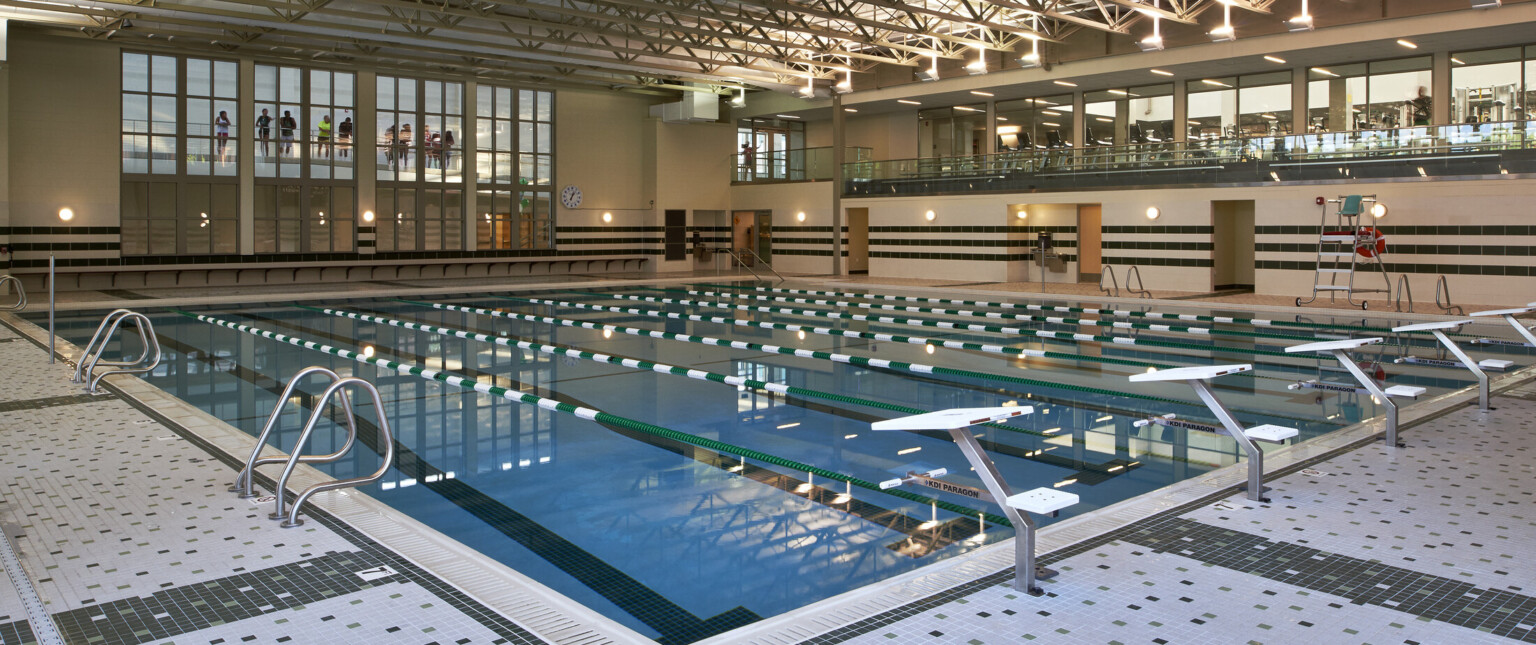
1341	248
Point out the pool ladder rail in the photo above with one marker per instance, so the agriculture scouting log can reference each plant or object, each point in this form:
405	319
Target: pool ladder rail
244	481
21	293
740	256
90	359
1139	289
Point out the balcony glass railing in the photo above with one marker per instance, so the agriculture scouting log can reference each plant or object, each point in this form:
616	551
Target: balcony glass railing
1422	151
800	164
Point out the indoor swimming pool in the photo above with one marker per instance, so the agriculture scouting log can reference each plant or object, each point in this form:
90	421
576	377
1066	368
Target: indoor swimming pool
687	459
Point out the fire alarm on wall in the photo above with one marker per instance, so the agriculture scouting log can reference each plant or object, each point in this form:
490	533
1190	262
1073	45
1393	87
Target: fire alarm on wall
1320	201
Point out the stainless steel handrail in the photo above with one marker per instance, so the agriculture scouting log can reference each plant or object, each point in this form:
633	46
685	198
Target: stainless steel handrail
243	482
1141	287
739	261
1442	287
1403	287
1109	271
21	294
90	359
765	263
386	438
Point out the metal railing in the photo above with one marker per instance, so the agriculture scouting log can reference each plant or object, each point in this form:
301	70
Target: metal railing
21	293
1141	287
1110	272
1442	288
244	481
90	359
1402	290
797	164
1482	148
740	258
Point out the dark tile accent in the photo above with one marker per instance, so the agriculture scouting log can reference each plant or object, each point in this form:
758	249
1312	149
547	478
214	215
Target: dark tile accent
17	633
52	402
200	605
1363	582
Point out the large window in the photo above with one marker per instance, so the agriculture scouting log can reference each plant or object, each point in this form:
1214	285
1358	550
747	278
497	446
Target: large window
1030	124
1486	86
952	131
179	191
1240	106
419	165
1363	96
1132	115
305	199
514	129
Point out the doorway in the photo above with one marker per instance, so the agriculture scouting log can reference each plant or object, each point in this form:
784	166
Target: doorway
858	240
1232	240
1090	242
752	230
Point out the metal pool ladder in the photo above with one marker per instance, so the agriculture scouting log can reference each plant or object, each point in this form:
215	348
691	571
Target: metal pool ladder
243	482
21	294
91	357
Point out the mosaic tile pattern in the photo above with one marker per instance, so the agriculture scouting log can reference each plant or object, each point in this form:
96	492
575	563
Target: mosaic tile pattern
129	534
1375	545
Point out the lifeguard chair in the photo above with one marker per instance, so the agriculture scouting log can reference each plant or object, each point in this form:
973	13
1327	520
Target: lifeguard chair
1346	245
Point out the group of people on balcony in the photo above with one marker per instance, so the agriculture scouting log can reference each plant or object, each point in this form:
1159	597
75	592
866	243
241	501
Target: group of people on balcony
329	137
436	147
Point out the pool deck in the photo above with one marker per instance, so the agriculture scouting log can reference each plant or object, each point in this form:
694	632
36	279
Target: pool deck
117	508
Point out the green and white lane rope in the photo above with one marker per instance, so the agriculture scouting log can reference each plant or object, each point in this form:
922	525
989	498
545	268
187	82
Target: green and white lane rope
969	313
629	362
944	324
877	363
589	414
1256	322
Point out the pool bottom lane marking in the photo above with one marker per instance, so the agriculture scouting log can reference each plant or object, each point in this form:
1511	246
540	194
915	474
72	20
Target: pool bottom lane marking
586	413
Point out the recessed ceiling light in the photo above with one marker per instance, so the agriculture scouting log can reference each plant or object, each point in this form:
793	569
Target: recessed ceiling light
964	108
1161	72
907	102
981	93
786	116
1324	72
1458	61
1120	92
849	110
1105	119
1215	83
1275	59
1407	43
1065	83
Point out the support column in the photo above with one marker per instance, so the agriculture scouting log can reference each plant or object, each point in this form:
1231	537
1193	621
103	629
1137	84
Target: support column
245	135
364	142
1440	88
467	138
991	147
1079	121
1180	111
5	150
837	184
1300	122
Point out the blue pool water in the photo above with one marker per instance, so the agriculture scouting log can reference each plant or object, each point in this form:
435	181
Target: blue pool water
680	542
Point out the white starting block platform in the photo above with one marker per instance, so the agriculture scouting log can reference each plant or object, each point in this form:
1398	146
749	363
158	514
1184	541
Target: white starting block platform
1330	345
1430	326
1491	364
1399	391
1405	391
1504	312
1198	372
1042	501
952	419
1270	432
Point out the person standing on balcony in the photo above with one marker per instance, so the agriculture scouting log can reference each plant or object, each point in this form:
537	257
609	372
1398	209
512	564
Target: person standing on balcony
748	161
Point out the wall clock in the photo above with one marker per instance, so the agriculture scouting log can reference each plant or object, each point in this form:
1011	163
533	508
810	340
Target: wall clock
571	196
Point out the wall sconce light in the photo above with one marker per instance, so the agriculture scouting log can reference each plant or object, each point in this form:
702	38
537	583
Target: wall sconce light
607	217
1022	213
66	213
1379	210
1153	213
929	216
800	216
367	216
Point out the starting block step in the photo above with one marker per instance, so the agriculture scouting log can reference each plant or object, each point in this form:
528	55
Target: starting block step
1270	432
1042	501
1405	391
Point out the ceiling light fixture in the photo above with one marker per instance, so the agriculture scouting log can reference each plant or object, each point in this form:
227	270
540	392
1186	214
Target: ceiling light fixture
1032	59
1486	4
908	102
1324	72
1275	59
1225	33
1065	83
1302	22
1407	43
981	93
1155	41
978	66
1160	72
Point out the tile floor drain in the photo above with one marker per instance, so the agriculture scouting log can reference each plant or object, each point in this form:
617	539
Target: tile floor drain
42	625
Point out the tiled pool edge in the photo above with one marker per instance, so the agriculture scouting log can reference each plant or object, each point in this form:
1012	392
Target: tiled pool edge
993	563
515	597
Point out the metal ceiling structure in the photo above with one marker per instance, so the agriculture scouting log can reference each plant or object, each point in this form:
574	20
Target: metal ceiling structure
700	45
